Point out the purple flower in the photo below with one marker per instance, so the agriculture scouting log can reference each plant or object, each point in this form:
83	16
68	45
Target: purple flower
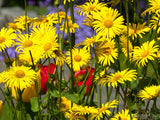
11	53
45	3
31	2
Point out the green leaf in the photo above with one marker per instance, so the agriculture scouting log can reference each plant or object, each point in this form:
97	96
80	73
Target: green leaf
83	92
53	90
55	93
34	104
133	84
73	97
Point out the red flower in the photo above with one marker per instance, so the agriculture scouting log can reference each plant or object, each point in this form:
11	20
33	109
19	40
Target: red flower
80	75
44	75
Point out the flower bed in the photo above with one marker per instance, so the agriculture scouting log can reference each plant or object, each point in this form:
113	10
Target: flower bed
36	86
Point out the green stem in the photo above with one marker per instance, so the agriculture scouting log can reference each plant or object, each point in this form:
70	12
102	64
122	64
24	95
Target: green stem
8	57
72	18
59	32
70	48
25	2
85	79
37	93
32	59
109	92
100	96
147	106
156	72
127	17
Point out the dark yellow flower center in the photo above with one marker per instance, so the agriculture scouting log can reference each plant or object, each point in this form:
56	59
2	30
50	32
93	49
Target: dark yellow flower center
123	118
108	51
77	58
44	20
91	8
27	43
2	39
61	13
19	74
70	24
144	53
13	26
102	109
47	46
42	35
117	77
108	23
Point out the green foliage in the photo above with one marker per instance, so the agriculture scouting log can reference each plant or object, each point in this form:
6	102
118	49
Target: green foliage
35	104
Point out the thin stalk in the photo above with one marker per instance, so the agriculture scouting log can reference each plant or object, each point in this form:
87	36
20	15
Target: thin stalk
25	3
122	91
156	72
49	71
8	57
91	95
85	79
147	106
109	92
127	17
72	18
59	32
32	59
92	83
100	96
37	93
39	67
70	48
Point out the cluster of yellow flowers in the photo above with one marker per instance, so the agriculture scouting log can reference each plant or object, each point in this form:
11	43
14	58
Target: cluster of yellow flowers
35	39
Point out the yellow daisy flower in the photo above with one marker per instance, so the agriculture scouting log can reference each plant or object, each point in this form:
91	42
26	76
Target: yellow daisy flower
25	56
47	37
65	104
49	45
29	92
22	20
104	110
123	40
62	15
154	7
125	115
42	30
102	74
106	52
60	57
72	27
83	110
144	53
88	21
74	116
7	37
158	54
50	19
155	24
89	7
137	29
108	23
16	26
119	77
25	42
150	92
80	57
88	42
19	77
